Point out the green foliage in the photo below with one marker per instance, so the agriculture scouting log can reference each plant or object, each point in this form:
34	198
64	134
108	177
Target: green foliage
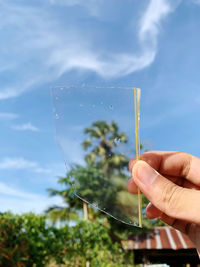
92	243
27	240
24	240
13	241
92	184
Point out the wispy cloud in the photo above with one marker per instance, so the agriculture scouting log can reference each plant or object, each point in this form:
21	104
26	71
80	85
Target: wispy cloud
26	60
19	201
11	92
81	57
196	2
22	164
150	21
10	191
8	116
50	49
25	127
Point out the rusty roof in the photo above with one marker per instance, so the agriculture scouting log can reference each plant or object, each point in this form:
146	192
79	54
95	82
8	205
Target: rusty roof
159	238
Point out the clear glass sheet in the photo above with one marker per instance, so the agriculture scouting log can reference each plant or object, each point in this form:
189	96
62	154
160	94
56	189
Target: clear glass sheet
95	129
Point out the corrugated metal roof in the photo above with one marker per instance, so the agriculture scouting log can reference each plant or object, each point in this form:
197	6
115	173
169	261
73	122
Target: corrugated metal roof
159	238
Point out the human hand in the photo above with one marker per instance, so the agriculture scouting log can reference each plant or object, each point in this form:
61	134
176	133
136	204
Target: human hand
171	182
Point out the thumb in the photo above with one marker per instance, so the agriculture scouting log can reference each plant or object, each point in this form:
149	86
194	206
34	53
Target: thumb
175	201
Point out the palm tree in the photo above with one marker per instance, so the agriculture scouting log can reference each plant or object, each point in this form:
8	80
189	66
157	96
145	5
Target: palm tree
68	212
103	153
102	181
102	140
102	162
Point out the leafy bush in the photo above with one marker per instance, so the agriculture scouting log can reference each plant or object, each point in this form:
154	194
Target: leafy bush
24	240
91	242
27	240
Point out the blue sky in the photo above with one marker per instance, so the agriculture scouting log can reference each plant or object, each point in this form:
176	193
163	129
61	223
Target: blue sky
150	44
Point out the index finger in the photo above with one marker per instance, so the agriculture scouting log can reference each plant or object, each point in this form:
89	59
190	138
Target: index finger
173	163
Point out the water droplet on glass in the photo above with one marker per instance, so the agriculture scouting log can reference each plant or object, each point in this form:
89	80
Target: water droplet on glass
111	107
81	105
56	116
61	88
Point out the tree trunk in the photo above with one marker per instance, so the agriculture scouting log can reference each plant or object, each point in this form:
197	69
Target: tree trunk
85	211
85	215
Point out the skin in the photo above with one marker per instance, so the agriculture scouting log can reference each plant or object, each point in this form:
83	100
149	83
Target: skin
172	185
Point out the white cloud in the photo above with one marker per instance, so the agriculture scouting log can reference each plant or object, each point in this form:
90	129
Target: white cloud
25	127
49	49
7	190
25	84
8	116
19	201
10	92
196	2
149	24
79	55
30	31
22	164
16	163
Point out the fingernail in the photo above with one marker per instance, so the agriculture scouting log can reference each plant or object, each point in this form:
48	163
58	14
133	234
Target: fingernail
144	172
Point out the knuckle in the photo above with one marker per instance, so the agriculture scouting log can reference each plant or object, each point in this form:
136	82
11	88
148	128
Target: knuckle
187	160
170	198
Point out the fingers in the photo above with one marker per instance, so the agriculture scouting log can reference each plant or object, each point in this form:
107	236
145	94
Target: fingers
152	212
132	187
170	199
190	229
174	164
